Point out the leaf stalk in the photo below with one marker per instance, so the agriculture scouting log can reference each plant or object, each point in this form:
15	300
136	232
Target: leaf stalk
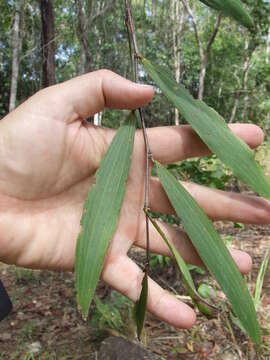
137	56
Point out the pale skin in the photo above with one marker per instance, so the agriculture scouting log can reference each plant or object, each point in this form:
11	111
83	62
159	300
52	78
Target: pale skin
48	158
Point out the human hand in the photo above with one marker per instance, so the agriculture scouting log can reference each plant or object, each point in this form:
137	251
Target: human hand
48	159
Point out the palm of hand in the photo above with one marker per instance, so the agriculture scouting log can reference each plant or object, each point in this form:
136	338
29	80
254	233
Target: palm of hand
48	158
45	180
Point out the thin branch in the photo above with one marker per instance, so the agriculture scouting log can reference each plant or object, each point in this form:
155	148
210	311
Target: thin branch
203	53
103	11
195	27
215	32
132	35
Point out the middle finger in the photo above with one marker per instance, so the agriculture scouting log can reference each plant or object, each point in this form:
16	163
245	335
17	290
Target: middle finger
217	204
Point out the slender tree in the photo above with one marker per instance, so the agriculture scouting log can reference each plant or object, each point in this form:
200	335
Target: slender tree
177	18
48	43
250	47
16	51
87	15
268	47
1	53
204	53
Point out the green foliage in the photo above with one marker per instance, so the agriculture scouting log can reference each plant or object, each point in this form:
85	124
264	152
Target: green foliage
101	213
206	291
213	130
159	261
228	240
232	8
107	315
207	171
196	269
113	313
260	279
189	284
220	263
24	274
109	49
140	306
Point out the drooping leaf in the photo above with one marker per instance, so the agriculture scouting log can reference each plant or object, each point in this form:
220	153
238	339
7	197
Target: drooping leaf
232	8
202	305
101	213
260	279
213	130
140	306
212	251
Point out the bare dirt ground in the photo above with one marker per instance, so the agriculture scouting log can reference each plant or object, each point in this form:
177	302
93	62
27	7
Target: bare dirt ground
45	323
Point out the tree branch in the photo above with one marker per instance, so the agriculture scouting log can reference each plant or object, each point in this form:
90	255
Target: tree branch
195	27
102	11
215	32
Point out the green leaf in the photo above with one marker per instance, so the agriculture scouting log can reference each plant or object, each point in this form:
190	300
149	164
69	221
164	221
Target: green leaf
101	213
213	130
237	322
202	305
140	306
180	261
260	279
232	8
206	291
196	269
212	251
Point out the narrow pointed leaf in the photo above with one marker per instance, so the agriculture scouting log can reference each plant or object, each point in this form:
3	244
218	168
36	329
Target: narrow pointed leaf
213	130
140	306
232	8
101	213
260	279
212	251
202	305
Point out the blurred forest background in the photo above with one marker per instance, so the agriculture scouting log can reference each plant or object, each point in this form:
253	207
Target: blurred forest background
43	42
46	42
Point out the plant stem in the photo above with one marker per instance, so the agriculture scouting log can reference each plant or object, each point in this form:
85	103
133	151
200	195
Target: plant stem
132	36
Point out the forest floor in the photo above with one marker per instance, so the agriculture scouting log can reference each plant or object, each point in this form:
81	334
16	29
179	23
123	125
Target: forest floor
45	323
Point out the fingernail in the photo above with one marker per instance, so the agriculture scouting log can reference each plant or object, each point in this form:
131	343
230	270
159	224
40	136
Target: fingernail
145	86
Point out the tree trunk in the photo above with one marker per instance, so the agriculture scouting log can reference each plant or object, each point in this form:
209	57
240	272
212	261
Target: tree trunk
83	33
1	53
177	17
87	15
82	65
202	77
268	48
16	52
48	43
204	54
235	107
205	57
246	66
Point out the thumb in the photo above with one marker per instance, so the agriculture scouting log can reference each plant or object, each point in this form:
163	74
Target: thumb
89	94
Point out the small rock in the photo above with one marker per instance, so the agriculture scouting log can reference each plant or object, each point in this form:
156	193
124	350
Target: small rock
21	315
229	356
35	347
5	337
118	348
